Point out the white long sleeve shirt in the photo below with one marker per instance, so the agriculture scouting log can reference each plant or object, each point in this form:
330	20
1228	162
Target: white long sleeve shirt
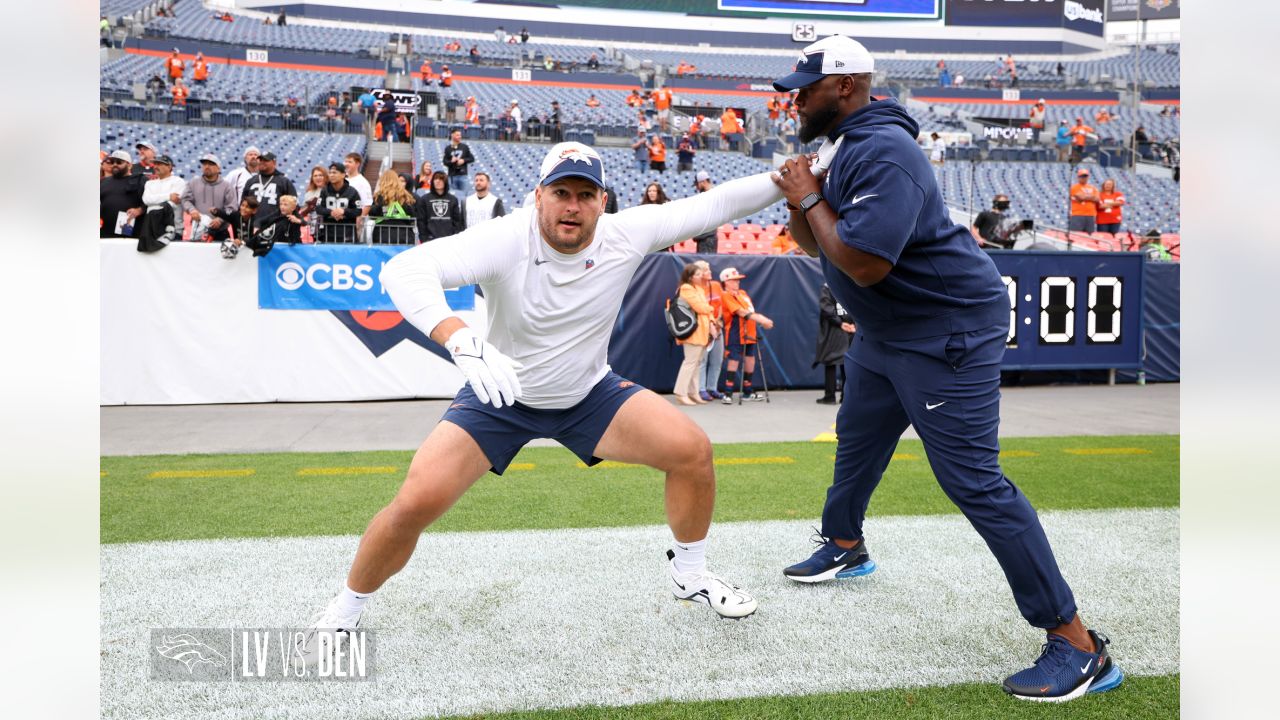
157	191
549	311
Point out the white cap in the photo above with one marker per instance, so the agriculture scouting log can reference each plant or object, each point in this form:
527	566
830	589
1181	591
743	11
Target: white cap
515	102
834	55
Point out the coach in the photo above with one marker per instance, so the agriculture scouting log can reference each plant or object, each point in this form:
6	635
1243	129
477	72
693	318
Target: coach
932	317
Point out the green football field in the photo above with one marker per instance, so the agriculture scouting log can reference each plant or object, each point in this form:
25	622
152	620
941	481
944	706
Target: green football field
200	504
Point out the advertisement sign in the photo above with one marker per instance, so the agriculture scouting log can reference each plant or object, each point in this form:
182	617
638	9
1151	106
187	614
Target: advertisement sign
1083	16
406	102
328	277
917	9
1149	9
1005	13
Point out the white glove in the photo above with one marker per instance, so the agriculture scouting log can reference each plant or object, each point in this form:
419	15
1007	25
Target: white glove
826	153
492	375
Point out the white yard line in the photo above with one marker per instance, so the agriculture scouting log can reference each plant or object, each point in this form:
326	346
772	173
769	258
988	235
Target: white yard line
532	619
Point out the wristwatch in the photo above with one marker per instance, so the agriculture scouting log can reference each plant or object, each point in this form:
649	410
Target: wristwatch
808	201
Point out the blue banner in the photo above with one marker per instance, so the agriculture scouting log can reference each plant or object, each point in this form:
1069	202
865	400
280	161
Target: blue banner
334	277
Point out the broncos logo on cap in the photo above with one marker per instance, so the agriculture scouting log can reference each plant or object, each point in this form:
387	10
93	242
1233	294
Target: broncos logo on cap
575	155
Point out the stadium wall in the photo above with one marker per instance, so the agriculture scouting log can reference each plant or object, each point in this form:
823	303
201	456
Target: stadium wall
183	326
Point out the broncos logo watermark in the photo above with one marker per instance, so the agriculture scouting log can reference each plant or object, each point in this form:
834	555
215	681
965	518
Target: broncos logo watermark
189	651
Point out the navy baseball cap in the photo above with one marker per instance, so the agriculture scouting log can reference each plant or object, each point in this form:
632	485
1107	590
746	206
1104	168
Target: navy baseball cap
571	159
834	55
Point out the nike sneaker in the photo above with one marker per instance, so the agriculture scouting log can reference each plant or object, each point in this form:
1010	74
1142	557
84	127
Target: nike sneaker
331	619
832	562
1063	673
727	398
728	600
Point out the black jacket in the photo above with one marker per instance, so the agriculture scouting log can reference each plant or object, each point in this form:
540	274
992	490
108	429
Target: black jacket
439	216
268	189
333	229
116	195
832	341
462	151
277	229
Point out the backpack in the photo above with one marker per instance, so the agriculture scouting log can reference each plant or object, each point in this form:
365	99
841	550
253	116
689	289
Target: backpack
682	321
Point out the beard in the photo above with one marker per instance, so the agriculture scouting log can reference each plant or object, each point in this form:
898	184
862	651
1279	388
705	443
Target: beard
562	240
815	122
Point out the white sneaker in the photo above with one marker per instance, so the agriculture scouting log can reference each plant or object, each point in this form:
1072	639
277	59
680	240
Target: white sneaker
331	619
728	600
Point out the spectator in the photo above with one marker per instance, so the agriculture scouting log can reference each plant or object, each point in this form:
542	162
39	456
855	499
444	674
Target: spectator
104	32
175	66
707	242
162	198
740	320
986	227
471	110
640	146
517	117
1063	140
633	99
422	181
145	167
180	93
1060	69
1036	120
684	154
1141	142
210	202
367	102
944	78
482	205
200	70
500	35
548	64
557	129
592	101
458	159
426	73
119	197
662	103
338	208
783	244
452	46
1102	117
386	120
593	63
657	153
281	20
474	53
241	175
104	167
267	186
730	128
692	291
654	195
155	88
284	227
439	212
1084	204
708	373
1080	134
394	211
1110	207
524	36
352	164
835	331
695	130
243	227
937	149
317	181
610	201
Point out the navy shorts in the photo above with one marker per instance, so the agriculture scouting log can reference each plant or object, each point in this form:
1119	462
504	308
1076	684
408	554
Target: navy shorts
501	432
736	351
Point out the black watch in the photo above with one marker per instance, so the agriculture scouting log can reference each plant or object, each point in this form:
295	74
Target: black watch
808	201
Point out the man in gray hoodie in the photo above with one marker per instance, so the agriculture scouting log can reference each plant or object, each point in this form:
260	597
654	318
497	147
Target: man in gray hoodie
210	201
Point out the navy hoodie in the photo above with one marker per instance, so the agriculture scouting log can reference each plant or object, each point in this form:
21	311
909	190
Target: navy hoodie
883	190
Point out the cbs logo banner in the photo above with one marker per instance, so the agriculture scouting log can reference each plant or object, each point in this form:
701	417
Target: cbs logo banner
320	277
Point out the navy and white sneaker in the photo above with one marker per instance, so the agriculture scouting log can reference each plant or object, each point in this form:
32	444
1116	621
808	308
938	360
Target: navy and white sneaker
728	600
832	562
1063	673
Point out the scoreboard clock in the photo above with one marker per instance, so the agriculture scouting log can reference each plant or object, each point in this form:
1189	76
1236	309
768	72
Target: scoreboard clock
1072	310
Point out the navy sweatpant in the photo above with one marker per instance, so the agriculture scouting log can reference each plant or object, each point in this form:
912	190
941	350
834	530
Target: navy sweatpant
949	388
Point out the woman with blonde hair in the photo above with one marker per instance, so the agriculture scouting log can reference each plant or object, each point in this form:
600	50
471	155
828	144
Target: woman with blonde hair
692	281
392	211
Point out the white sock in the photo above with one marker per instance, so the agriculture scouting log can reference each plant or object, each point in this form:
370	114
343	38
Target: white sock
352	602
690	556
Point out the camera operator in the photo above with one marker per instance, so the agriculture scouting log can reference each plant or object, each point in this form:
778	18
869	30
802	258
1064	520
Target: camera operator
988	226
